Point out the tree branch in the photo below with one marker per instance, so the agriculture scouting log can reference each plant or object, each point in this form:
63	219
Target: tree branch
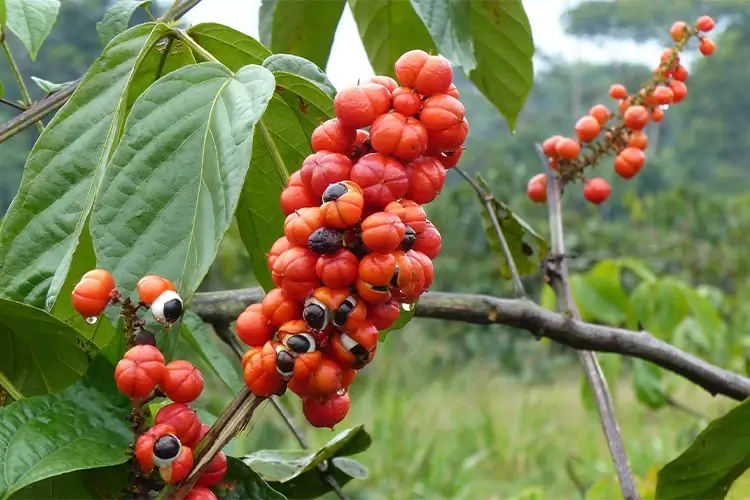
486	199
556	269
55	101
225	306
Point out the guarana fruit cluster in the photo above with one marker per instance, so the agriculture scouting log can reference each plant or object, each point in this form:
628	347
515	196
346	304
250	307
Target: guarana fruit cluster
143	374
621	132
357	242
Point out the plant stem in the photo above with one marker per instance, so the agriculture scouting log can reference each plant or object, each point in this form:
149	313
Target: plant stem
486	199
194	46
10	388
19	79
12	104
557	275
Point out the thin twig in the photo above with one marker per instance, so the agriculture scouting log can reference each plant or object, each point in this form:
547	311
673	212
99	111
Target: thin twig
487	199
557	275
56	100
26	97
13	104
685	409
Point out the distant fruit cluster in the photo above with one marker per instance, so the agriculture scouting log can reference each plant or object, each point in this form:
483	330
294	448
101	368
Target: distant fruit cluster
621	132
143	374
357	243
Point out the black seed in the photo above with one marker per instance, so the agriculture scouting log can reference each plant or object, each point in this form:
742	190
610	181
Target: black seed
409	239
359	250
315	316
285	362
341	314
359	351
380	288
394	279
334	191
361	362
172	310
325	240
298	343
167	447
144	337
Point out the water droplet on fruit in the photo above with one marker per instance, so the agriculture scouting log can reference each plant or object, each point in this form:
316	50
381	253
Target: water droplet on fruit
407	307
341	392
91	320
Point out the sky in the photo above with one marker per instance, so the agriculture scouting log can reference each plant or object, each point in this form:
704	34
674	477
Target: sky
348	61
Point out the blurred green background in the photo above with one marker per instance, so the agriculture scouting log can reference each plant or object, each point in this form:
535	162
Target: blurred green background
469	412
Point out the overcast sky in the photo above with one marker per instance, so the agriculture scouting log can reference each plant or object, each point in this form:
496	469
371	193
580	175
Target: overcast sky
348	60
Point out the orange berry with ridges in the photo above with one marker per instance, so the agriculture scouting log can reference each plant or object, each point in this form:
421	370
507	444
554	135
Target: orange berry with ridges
449	159
385	81
179	468
384	315
678	31
260	372
326	413
629	162
342	206
144	445
536	189
657	114
359	105
373	294
321	169
707	46
618	91
426	179
253	327
361	145
139	371
332	136
638	139
279	246
679	89
200	493
429	75
382	179
429	241
378	269
636	117
705	23
91	296
597	190
294	271
296	195
184	420
394	134
443	117
326	380
680	73
102	276
150	288
549	146
663	95
279	308
587	128
567	149
406	101
182	382
452	91
601	113
428	269
215	471
300	224
410	212
355	348
624	104
382	232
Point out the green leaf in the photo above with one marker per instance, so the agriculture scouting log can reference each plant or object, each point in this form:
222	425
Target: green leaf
526	247
265	21
3	20
116	19
41	229
406	314
448	21
49	87
288	63
83	427
173	184
648	385
719	455
491	41
600	295
31	21
40	354
198	335
292	30
245	483
638	268
294	472
91	484
233	48
388	28
610	364
2	87
660	306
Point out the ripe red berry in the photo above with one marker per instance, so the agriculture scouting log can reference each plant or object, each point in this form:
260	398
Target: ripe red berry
429	241
327	412
253	327
449	159
678	31
381	178
355	347
296	195
300	224
326	380
427	270
657	115
638	139
182	382
384	315
382	232
332	136
428	74
279	246
406	101
139	371
679	89
596	190
680	73
410	212
294	271
636	117
536	189
618	91
549	146
184	420
707	46
200	493
260	372
179	468
215	471
92	294
320	170
426	179
444	118
567	149
144	445
397	135
587	128
385	81
601	113
705	23
359	105
663	95
629	162
279	308
337	270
